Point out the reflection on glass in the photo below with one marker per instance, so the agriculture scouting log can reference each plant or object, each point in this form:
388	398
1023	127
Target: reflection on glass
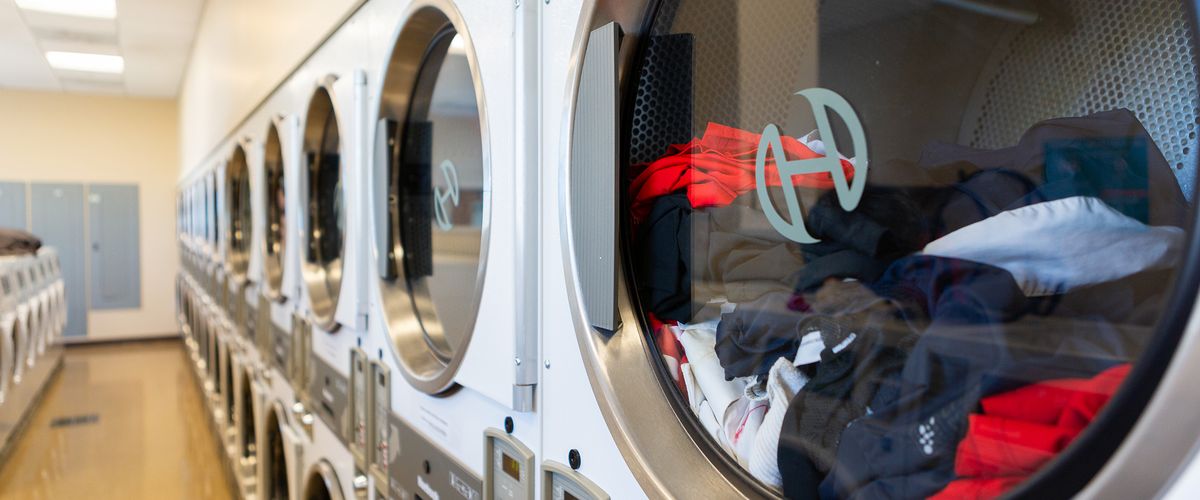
326	213
953	326
240	224
214	213
440	184
276	208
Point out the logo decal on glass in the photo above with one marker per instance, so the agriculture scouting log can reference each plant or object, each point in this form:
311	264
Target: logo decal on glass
848	193
450	173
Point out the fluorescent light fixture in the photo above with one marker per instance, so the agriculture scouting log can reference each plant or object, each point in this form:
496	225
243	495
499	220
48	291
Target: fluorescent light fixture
103	9
92	63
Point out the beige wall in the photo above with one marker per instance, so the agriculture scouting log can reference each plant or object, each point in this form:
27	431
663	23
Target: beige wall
83	138
241	52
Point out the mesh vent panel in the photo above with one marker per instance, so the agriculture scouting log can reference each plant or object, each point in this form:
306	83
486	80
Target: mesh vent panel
1111	54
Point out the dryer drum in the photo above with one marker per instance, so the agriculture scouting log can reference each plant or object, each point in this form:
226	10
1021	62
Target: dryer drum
322	483
249	440
862	242
275	464
227	385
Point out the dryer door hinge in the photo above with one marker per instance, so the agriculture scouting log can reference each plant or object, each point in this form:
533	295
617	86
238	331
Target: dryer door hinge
523	397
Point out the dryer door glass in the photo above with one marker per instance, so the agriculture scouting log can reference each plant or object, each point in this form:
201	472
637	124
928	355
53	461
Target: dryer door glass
276	210
237	176
326	210
214	225
439	183
903	249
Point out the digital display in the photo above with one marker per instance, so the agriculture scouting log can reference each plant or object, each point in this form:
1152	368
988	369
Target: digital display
511	466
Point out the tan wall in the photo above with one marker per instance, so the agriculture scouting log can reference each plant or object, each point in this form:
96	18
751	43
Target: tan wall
241	52
83	138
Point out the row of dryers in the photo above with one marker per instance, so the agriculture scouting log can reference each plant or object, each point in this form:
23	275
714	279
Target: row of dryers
672	248
33	313
349	329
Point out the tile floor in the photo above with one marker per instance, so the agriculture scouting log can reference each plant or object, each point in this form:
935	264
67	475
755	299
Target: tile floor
120	421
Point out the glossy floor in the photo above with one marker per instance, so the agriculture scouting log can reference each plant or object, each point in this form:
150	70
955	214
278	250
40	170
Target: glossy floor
120	421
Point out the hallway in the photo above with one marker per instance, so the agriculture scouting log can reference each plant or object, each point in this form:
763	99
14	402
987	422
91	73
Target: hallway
120	421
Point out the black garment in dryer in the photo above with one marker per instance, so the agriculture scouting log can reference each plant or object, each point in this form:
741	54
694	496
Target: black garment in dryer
664	259
982	336
686	257
862	351
755	334
861	243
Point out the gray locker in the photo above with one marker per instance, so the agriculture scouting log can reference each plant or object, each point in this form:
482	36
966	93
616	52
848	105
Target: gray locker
58	219
116	264
12	205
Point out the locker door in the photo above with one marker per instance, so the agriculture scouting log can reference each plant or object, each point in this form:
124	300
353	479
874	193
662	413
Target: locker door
12	205
113	224
57	211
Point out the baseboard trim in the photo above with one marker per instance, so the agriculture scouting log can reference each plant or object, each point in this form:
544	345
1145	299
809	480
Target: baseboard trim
84	341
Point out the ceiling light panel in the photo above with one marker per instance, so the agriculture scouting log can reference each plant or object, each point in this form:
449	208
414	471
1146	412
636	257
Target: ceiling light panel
77	61
102	9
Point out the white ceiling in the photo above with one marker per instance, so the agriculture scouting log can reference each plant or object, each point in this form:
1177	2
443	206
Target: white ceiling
154	37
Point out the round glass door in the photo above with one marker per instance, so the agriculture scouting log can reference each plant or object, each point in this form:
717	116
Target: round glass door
214	211
437	198
905	249
276	204
241	225
325	211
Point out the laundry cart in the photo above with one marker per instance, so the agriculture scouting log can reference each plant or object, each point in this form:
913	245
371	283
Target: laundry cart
871	249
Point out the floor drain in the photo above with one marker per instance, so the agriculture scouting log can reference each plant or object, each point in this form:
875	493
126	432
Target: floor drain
90	418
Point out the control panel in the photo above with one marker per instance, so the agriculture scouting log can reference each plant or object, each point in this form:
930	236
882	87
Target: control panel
508	467
360	386
560	482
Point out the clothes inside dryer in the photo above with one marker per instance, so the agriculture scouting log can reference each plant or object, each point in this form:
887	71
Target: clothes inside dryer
904	249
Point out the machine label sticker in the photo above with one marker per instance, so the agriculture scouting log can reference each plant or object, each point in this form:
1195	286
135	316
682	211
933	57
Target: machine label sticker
463	487
332	391
448	476
849	193
421	483
281	348
450	173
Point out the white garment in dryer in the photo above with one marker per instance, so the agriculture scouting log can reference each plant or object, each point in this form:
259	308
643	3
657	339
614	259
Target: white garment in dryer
1056	246
783	383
